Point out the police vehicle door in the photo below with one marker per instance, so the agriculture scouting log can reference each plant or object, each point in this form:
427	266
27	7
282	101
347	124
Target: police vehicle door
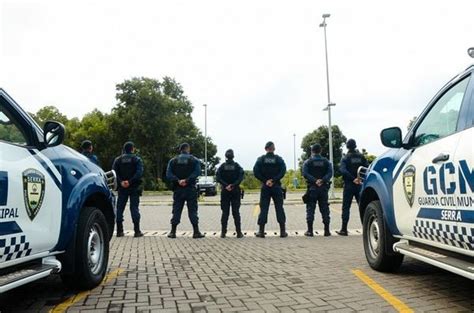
464	180
424	187
30	198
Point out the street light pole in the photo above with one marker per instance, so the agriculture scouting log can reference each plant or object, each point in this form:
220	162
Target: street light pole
294	153
205	140
295	180
328	108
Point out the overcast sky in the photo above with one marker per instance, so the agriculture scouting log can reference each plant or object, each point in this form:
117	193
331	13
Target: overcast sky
259	65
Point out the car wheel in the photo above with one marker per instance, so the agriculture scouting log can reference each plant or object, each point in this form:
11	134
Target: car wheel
92	250
378	250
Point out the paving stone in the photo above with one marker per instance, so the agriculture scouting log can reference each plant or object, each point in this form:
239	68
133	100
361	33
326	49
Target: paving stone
295	274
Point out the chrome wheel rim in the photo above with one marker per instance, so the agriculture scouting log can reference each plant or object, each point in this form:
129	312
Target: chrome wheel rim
95	245
373	237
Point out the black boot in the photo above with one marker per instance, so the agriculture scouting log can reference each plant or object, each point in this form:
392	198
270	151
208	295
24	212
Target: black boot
283	233
196	233
120	230
136	228
238	230
327	232
261	232
309	232
343	231
223	231
172	233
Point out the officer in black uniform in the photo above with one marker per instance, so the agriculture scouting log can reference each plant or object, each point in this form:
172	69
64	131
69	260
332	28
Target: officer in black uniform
352	184
183	171
317	171
230	175
270	169
86	150
129	170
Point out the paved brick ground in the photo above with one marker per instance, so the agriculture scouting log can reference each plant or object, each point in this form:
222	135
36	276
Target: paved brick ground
254	275
295	274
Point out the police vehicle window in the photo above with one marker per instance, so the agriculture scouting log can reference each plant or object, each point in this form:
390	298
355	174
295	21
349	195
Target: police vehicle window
9	131
442	119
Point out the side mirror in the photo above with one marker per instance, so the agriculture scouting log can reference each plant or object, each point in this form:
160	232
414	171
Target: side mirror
391	137
53	134
470	51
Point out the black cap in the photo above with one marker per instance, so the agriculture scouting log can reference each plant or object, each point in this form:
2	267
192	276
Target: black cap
269	145
183	146
351	144
229	154
316	148
86	145
128	147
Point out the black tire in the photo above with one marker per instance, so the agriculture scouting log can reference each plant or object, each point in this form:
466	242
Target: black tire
92	235
378	240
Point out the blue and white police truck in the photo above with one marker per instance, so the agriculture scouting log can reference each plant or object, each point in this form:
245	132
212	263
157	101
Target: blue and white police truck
417	198
56	207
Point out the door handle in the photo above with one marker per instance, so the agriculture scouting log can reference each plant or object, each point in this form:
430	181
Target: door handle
441	158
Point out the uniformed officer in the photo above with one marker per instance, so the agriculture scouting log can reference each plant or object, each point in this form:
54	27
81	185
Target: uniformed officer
352	184
87	150
129	170
230	175
317	171
183	171
270	169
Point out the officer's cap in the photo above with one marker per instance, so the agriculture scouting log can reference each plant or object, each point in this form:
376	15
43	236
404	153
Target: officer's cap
86	144
183	146
351	144
229	154
128	147
316	148
269	145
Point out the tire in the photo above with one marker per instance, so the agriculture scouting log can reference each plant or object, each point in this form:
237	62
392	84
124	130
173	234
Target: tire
378	241
91	255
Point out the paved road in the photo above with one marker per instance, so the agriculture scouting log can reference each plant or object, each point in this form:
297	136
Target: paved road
295	274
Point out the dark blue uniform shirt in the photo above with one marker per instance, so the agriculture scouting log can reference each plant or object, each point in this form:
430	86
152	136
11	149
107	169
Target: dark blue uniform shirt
325	174
193	174
131	171
350	164
269	166
230	173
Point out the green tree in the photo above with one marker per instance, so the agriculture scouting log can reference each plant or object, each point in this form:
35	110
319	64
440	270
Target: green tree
49	113
95	126
321	136
369	157
250	181
287	180
156	115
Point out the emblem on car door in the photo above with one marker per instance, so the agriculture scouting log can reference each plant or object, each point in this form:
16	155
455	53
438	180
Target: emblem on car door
33	191
409	183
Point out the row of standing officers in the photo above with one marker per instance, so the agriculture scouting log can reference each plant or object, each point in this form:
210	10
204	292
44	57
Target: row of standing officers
269	169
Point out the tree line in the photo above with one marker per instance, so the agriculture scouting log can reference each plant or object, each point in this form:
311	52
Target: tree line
156	116
321	136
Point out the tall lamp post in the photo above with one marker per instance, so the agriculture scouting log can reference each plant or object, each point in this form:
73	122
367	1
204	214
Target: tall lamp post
330	104
205	140
295	180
